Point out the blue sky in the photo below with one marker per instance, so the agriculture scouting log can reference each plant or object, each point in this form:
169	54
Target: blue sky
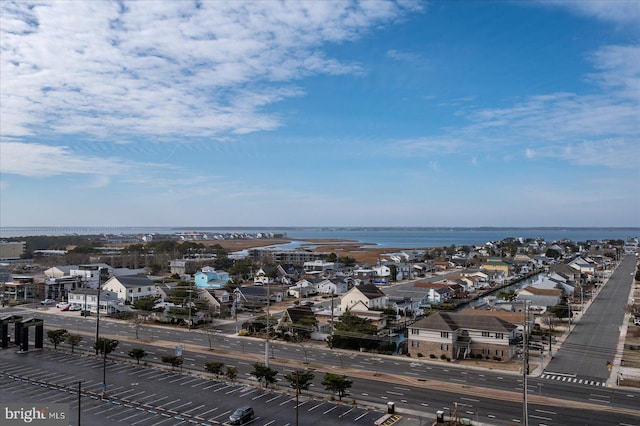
320	113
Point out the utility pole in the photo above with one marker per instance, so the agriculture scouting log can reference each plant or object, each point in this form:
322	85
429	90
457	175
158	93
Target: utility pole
98	310
266	343
525	364
79	399
331	324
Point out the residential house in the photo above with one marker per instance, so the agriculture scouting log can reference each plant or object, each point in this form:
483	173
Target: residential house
265	275
457	336
514	316
497	264
319	268
443	265
583	265
438	292
539	296
208	277
304	288
419	296
363	297
423	268
288	273
129	288
332	286
296	320
87	299
256	297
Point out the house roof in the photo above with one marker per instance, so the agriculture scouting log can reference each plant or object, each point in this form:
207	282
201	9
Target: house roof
253	290
370	291
134	281
289	269
512	317
542	291
429	284
451	321
299	312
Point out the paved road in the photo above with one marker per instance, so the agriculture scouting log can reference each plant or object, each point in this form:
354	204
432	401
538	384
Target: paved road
150	396
593	342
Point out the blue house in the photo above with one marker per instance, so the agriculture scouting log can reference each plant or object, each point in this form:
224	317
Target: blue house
210	278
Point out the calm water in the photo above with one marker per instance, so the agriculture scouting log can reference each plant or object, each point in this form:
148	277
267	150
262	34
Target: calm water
381	237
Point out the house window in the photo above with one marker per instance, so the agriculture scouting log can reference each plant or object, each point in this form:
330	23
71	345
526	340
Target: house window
444	334
499	352
139	290
130	290
499	336
444	347
486	334
485	351
415	331
415	344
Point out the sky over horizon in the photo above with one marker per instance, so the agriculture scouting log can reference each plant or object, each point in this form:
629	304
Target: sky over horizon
319	113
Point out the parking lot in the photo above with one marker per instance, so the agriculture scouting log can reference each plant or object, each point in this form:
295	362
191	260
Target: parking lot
147	396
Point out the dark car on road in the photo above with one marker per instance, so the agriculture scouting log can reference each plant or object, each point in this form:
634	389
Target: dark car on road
241	415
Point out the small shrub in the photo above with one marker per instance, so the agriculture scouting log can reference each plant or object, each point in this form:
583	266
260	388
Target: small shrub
443	357
420	355
432	356
448	359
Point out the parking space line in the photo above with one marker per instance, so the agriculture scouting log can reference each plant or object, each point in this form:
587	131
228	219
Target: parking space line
330	409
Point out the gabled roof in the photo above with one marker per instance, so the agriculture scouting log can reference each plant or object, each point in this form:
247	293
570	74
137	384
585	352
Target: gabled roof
370	291
542	291
451	321
511	317
253	290
299	312
428	284
134	281
290	269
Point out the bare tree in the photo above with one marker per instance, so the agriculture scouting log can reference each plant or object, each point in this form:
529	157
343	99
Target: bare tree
550	321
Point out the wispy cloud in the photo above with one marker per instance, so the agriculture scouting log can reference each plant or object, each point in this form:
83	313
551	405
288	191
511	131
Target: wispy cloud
599	128
38	160
403	56
186	68
623	12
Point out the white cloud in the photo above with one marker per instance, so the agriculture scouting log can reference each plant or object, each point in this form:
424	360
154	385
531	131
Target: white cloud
623	12
38	160
167	68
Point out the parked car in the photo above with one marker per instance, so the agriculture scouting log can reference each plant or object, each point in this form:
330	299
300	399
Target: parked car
62	305
241	415
636	321
47	302
74	308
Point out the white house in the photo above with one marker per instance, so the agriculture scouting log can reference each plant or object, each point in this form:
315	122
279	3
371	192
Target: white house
87	299
363	297
130	287
332	287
